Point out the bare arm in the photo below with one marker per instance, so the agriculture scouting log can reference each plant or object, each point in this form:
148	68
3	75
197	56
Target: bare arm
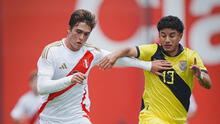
205	81
127	51
203	78
108	61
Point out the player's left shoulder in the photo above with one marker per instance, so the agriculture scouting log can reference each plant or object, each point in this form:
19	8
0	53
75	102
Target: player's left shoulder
92	48
189	51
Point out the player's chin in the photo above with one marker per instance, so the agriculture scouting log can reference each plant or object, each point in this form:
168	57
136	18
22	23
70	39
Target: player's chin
79	47
168	50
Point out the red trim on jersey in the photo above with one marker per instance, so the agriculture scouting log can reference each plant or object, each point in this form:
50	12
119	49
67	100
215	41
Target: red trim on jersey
82	66
84	105
86	116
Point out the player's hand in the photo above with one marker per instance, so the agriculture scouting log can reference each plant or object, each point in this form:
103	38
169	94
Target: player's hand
78	78
158	65
195	69
107	62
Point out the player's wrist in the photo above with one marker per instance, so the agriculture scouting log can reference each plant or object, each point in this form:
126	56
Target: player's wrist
148	66
71	81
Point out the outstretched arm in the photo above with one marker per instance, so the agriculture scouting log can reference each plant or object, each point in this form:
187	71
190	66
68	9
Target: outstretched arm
203	78
110	58
154	66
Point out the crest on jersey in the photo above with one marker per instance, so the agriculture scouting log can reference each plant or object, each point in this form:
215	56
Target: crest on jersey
183	65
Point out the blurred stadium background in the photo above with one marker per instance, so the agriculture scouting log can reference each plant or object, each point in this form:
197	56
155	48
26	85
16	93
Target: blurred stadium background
26	26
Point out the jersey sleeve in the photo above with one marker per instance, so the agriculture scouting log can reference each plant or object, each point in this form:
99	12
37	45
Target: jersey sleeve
46	64
100	54
145	52
46	68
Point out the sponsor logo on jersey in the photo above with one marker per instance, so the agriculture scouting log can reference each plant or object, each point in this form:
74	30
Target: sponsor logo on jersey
63	66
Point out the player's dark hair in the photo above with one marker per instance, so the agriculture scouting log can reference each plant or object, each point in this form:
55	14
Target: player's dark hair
171	22
82	15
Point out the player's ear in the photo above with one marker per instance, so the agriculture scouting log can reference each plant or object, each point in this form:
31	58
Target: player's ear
181	35
68	30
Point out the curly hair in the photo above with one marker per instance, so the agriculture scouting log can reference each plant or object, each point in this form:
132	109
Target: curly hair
171	22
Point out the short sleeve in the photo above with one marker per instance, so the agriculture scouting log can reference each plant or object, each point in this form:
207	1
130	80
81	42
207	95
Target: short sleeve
146	51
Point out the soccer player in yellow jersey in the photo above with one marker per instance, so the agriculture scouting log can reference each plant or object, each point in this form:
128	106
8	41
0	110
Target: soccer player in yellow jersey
167	92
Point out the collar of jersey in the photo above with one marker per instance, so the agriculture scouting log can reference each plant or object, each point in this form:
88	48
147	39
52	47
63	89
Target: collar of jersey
180	50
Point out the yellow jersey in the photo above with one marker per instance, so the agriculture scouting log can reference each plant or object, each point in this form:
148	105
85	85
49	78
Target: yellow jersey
166	98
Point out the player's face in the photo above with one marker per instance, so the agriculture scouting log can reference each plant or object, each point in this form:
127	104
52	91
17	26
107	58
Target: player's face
78	35
169	39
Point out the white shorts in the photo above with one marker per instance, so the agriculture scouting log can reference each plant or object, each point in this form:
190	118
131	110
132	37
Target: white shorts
82	120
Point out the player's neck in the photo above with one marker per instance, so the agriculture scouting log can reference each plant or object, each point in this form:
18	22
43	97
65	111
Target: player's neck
69	46
173	53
